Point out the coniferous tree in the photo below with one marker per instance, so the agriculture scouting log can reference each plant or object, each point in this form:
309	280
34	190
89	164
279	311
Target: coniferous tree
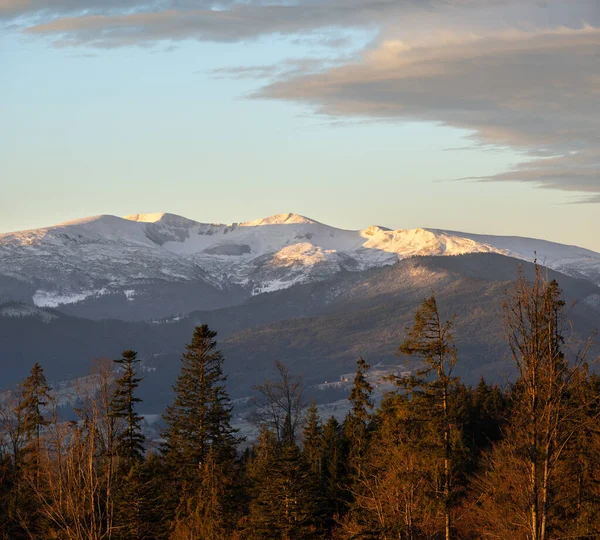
200	417
130	442
199	427
488	417
141	512
334	452
357	420
395	494
36	397
312	440
285	502
430	339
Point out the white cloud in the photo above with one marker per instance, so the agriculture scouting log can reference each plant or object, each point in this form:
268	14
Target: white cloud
535	91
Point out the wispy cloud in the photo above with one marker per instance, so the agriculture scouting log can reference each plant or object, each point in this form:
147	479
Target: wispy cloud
133	22
534	91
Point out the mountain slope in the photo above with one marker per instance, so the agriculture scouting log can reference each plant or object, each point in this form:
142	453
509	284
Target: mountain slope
155	265
319	328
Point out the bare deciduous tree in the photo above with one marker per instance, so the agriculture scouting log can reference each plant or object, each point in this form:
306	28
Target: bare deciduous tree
280	404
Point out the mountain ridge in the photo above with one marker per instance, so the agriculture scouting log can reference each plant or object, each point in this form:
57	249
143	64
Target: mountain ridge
127	261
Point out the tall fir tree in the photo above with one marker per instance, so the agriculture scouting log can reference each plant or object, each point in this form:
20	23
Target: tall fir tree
312	440
430	339
199	428
334	457
130	441
36	397
200	417
357	421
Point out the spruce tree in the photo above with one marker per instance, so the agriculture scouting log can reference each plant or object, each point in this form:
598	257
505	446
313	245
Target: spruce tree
334	470
286	503
35	398
199	428
430	339
200	417
312	444
357	420
130	442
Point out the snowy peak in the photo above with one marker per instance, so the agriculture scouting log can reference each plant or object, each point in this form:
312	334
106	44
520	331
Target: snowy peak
412	242
280	219
162	218
148	218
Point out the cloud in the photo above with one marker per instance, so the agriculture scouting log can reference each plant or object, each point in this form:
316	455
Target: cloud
112	23
520	74
534	91
286	68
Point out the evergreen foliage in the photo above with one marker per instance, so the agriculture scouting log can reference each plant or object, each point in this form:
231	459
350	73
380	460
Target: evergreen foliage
285	502
357	420
334	470
200	443
312	440
430	339
130	441
35	398
199	420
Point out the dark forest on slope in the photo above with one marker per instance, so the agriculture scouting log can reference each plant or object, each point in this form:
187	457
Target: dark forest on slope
437	459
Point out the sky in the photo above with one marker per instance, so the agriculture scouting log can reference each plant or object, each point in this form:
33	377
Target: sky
470	115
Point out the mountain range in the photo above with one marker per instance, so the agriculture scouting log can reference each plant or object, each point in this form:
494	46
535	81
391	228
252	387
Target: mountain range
281	288
148	266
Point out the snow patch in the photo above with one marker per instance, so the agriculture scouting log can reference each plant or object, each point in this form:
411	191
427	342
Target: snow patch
52	299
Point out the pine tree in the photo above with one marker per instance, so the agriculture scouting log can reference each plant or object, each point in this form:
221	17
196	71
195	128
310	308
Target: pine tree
200	417
357	420
36	397
312	443
430	339
199	428
130	442
285	501
334	470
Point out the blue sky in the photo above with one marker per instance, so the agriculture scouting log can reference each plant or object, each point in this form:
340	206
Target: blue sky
352	117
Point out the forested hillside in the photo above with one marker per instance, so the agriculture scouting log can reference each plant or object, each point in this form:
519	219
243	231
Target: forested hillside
437	459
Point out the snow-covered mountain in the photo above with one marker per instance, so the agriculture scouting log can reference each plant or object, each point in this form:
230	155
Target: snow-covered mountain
218	264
